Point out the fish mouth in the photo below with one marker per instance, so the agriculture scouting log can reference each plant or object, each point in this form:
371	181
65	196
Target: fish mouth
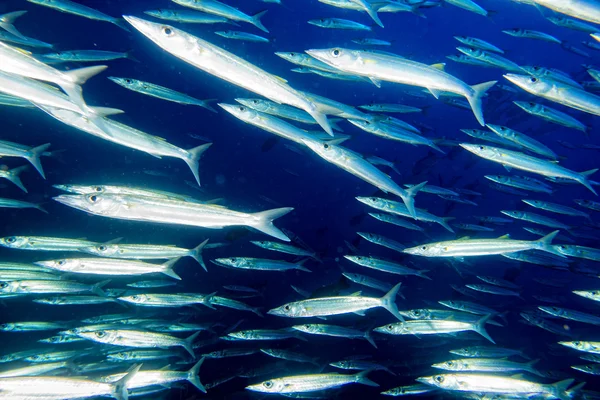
518	80
75	201
65	188
231	108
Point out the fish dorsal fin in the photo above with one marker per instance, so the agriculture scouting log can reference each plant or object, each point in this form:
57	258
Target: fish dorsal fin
518	376
355	294
434	92
214	205
375	82
464	238
507	236
159	138
280	79
439	66
22	51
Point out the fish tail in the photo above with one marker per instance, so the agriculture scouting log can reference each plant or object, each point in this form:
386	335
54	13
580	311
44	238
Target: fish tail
206	104
373	14
300	265
361	378
479	327
389	302
409	198
120	386
9	19
33	156
97	288
369	338
423	274
187	343
583	179
333	122
13	176
208	299
78	77
559	389
444	222
193	157
105	111
121	23
196	254
168	268
475	99
265	220
193	376
41	208
321	119
257	22
129	55
545	244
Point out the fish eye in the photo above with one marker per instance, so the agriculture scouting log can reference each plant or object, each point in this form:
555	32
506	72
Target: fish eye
417	313
326	146
102	248
286	308
61	262
390	327
3	285
98	189
268	384
480	147
450	363
11	239
128	80
100	334
255	101
293	54
576	343
93	199
135	297
533	79
423	247
439	379
336	52
167	31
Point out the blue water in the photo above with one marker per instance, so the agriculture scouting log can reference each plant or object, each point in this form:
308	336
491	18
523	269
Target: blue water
246	167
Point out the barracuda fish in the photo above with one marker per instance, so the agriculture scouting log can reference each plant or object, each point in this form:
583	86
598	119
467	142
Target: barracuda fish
593	369
24	41
34	370
489	137
83	56
359	365
259	264
483	247
161	92
497	384
529	34
557	75
11	203
387	131
227	66
386	266
31	154
536	219
290	356
168	300
487	352
382	241
521	182
589	204
339	23
244	36
394	220
523	140
551	115
144	251
285	248
335	331
588	294
470	307
142	339
127	190
264	334
12	101
369	282
556	208
491	289
528	163
572	315
223	10
48	287
371	42
31	326
585	346
464	59
43	243
356	165
409	390
161	210
436	327
188	16
142	355
112	267
398	208
492	280
277	110
16	275
162	377
337	305
305	60
75	300
468	5
586	10
478	44
70	7
558	92
487	365
13	176
573	24
589	253
230	352
391	108
490	58
310	383
401	70
433	314
234	304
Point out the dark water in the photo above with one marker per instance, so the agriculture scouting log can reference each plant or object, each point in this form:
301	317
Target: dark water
246	167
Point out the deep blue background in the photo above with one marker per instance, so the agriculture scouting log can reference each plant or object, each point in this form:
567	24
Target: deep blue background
241	168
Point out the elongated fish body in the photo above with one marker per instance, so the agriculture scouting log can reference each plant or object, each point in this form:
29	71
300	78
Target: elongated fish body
102	266
408	390
586	346
497	384
486	365
260	264
521	183
556	208
542	72
588	294
486	352
395	220
468	5
490	58
572	315
536	219
372	42
339	23
126	190
82	56
589	253
34	370
391	108
386	266
71	7
401	70
369	282
529	34
573	24
31	154
558	92
151	209
12	203
13	101
382	241
335	331
284	248
166	299
481	247
586	10
310	383
528	163
188	16
305	60
479	44
24	41
227	66
45	287
244	36
388	131
74	300
43	243
160	92
56	388
278	110
223	10
361	168
523	140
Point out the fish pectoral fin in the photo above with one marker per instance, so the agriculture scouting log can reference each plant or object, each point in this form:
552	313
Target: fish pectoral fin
507	236
439	66
434	92
508	168
280	79
375	82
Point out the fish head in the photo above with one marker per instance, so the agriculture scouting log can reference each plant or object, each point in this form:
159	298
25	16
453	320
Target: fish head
52	339
291	56
80	189
527	106
577	345
337	57
60	265
512	213
566	249
270	386
324	149
465	352
156	13
452	365
340	364
475	53
92	203
390	329
289	310
136	298
125	82
306	328
233	262
321	22
7	327
427	250
239	111
535	70
533	203
255	104
481	150
370	201
445	381
240	335
531	84
463	39
14	242
500	130
177	41
513	32
104	250
362	124
102	336
419	313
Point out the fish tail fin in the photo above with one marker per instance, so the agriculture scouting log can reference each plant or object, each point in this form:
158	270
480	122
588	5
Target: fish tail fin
333	122
300	265
575	390
105	111
264	222
187	343
80	76
7	23
545	244
41	208
129	55
479	327
583	179
436	147
321	119
193	157
373	14
444	223
475	99
389	302
422	273
206	104
361	378
559	389
193	376
13	176
121	23
168	268
369	338
409	199
120	386
257	22
33	156
196	254
97	288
